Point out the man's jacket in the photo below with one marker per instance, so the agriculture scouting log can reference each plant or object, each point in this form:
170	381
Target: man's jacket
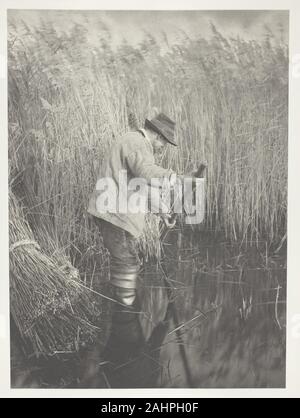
132	153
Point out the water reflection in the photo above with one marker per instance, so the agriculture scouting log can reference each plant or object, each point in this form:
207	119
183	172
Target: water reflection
224	326
218	322
132	359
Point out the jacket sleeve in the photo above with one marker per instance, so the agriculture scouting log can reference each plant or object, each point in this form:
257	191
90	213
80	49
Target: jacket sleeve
142	164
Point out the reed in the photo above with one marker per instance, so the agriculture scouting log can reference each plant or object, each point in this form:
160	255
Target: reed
68	100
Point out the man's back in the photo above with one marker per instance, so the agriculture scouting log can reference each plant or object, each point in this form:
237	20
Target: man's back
131	156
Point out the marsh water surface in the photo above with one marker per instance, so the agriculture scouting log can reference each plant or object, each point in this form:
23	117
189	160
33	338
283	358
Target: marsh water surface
222	324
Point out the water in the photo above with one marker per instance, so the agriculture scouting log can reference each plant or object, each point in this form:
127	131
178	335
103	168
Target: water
224	329
224	326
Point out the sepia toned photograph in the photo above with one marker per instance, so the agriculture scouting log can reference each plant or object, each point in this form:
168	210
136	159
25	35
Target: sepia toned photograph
148	173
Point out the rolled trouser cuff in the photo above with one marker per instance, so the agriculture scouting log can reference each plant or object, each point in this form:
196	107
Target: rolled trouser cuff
124	295
126	279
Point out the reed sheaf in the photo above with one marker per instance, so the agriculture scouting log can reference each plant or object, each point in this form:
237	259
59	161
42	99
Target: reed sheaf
69	99
51	308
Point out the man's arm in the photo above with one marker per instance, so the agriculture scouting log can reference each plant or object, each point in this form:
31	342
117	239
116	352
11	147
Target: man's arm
143	165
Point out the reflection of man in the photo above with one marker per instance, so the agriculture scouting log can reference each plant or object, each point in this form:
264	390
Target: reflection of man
134	152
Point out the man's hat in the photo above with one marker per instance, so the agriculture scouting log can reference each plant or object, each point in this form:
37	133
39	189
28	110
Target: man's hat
162	125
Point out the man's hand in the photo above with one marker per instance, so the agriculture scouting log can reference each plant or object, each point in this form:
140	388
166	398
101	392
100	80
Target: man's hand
169	220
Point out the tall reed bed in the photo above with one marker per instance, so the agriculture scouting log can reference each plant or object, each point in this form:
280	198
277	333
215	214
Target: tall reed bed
69	100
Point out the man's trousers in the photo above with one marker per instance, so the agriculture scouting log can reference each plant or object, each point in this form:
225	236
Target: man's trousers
124	261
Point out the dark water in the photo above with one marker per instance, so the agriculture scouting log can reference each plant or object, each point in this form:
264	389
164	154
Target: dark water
225	326
221	326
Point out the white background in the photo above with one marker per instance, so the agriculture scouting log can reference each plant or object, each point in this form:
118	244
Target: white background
293	299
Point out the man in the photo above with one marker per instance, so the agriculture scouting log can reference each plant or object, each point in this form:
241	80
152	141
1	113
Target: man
133	154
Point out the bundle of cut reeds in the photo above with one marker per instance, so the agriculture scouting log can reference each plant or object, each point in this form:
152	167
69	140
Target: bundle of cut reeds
53	311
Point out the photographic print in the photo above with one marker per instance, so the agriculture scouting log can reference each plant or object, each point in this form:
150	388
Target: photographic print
148	162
